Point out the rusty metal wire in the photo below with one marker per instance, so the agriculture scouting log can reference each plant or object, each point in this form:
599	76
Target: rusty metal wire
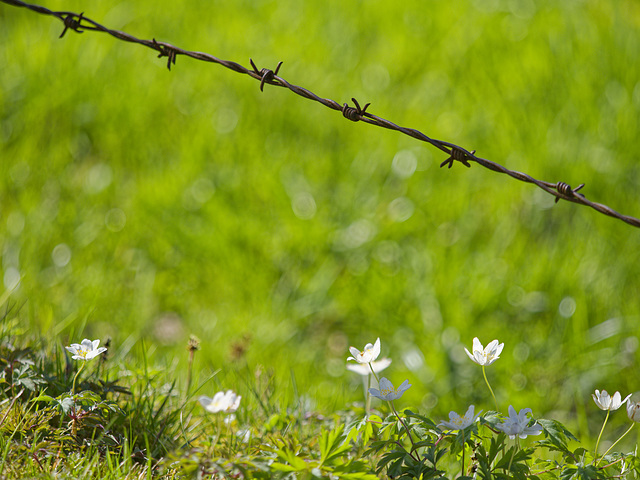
79	24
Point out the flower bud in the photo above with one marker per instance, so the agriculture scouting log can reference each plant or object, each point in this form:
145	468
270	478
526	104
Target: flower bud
633	411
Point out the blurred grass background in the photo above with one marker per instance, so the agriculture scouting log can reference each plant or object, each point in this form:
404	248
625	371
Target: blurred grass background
142	204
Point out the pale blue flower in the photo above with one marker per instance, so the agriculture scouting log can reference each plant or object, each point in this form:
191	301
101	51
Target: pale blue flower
516	424
387	392
456	422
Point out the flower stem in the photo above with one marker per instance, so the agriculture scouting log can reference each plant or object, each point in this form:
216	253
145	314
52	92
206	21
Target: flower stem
595	454
367	403
74	423
402	422
614	444
490	389
515	448
73	388
374	373
462	472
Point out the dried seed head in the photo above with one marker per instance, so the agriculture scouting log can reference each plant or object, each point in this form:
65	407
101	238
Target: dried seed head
193	344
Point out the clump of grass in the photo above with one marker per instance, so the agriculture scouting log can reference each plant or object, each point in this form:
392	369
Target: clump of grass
115	419
54	420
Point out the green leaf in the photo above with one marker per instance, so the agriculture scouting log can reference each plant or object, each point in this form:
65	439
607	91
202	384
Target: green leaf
556	437
333	445
580	472
44	398
353	471
297	463
66	404
281	467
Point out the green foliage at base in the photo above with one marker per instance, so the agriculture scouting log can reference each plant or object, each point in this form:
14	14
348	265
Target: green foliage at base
142	203
138	425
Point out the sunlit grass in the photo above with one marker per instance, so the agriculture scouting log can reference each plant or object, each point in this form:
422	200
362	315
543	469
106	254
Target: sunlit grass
146	206
107	417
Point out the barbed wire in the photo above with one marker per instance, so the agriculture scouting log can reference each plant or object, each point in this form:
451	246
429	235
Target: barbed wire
79	24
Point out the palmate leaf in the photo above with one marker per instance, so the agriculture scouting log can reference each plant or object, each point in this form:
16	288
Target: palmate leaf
581	472
66	404
293	462
367	427
426	422
333	445
375	447
634	463
64	401
24	376
353	471
516	463
522	455
556	437
395	456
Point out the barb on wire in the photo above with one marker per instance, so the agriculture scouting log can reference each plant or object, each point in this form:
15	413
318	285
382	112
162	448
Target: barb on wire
266	75
165	51
80	23
71	23
566	190
459	155
354	114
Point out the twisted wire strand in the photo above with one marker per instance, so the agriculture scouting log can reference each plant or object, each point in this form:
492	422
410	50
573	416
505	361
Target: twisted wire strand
562	191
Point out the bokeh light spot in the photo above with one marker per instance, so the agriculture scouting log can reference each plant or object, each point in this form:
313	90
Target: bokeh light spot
400	209
115	219
567	307
225	120
61	255
404	163
303	205
98	178
11	278
15	223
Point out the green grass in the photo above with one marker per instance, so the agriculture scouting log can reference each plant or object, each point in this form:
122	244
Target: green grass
108	418
144	205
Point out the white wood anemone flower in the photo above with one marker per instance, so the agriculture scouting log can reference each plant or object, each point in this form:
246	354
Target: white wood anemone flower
456	422
86	350
387	392
364	369
516	424
633	411
487	355
226	402
604	401
368	355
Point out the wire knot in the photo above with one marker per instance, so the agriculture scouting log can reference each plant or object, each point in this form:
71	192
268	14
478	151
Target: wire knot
566	190
458	154
70	22
266	75
354	114
165	51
